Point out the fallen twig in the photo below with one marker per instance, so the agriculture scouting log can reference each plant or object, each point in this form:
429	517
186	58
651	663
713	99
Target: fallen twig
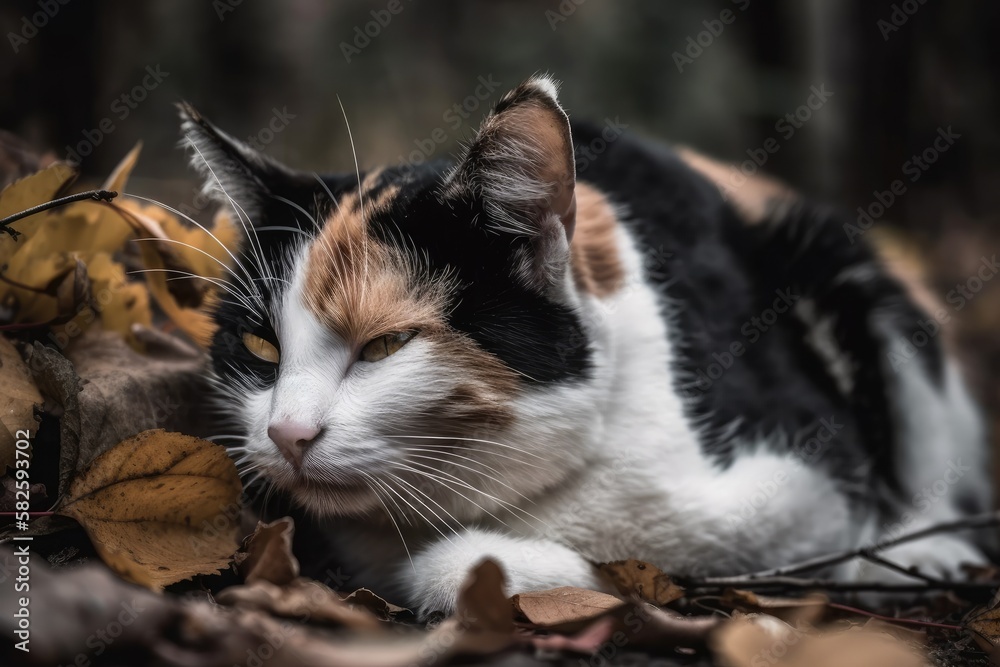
978	521
95	195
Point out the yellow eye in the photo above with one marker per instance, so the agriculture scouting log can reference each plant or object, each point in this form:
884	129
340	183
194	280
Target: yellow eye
260	348
381	347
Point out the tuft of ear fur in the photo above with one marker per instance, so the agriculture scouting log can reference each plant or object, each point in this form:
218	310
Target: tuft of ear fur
521	163
234	174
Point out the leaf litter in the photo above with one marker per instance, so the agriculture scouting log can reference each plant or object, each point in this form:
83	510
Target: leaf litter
105	364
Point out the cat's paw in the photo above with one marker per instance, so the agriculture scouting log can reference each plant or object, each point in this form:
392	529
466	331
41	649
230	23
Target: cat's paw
439	571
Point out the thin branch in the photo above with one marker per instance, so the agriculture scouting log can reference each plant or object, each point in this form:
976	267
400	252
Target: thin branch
94	195
891	619
977	521
790	584
913	573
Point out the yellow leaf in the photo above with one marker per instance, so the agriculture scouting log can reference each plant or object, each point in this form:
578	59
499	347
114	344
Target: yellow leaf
195	322
39	188
151	503
119	177
18	397
119	303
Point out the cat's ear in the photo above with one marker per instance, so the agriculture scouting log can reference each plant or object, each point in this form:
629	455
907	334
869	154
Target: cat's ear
235	174
521	164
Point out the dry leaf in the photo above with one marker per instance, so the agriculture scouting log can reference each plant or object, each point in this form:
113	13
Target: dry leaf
647	582
18	397
33	190
383	609
169	249
149	506
759	639
984	626
481	604
565	605
107	392
302	599
807	609
269	553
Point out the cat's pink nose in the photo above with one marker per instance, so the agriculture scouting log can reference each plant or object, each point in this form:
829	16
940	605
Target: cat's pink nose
292	439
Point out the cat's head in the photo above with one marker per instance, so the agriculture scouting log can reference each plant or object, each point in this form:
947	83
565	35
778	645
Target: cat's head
403	335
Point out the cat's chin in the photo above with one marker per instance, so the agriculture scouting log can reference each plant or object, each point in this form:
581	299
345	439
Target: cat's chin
327	499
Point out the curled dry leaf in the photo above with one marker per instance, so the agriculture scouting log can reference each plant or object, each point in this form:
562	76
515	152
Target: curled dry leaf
645	581
43	283
268	553
758	639
302	599
806	609
984	626
564	606
383	609
18	397
150	506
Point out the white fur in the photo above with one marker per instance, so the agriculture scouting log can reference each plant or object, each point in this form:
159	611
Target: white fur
604	469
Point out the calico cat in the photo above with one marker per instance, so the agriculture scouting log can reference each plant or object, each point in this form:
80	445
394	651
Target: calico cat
557	361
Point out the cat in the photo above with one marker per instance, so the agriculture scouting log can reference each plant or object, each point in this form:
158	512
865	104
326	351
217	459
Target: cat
573	345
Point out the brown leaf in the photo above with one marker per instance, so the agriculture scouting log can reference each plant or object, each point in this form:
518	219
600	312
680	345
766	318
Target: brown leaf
647	582
481	604
565	605
60	385
104	391
383	610
760	639
807	609
483	622
984	626
301	599
269	553
149	506
18	398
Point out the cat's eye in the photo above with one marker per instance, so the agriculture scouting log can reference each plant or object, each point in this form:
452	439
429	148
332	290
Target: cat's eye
383	346
260	348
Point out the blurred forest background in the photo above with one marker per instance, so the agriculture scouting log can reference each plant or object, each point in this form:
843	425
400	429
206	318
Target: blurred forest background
682	70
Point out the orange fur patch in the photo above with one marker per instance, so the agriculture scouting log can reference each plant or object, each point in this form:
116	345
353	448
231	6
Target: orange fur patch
754	200
596	265
361	289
